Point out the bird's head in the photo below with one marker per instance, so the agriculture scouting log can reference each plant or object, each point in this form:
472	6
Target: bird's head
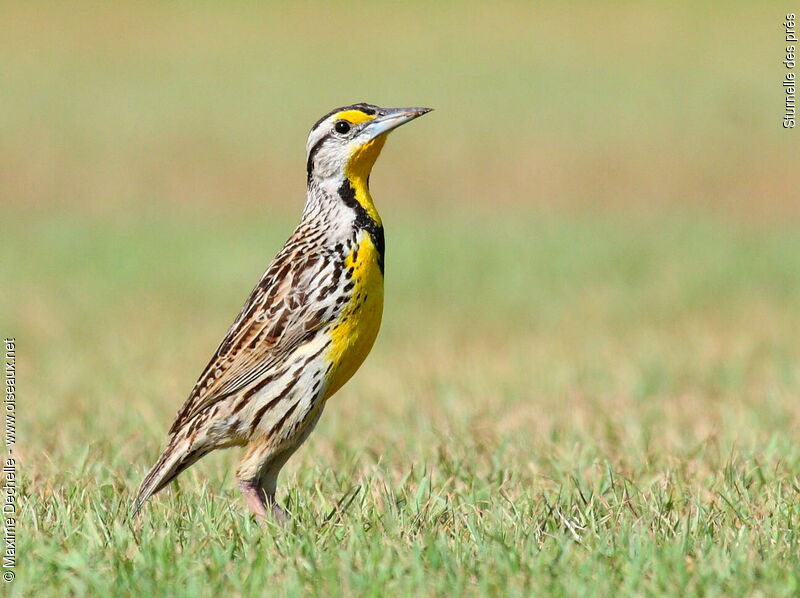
346	142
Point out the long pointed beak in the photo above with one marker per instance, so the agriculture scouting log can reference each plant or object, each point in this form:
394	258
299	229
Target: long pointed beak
391	118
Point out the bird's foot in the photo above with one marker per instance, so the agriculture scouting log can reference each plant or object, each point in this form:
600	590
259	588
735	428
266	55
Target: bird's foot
260	503
255	498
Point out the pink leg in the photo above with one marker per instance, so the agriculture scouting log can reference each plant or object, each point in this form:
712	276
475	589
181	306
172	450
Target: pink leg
258	501
255	498
260	493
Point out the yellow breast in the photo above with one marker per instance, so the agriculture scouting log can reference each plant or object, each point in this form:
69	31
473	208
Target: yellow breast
354	333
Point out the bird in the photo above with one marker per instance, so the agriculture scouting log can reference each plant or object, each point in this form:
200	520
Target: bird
306	327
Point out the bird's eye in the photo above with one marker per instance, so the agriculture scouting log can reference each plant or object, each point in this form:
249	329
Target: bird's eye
342	127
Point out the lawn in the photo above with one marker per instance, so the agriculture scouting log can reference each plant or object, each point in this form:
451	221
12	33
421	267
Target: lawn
587	379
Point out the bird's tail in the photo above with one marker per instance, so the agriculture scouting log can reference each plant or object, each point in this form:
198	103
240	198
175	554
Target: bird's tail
178	455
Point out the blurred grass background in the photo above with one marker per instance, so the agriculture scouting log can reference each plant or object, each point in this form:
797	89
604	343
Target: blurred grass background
593	270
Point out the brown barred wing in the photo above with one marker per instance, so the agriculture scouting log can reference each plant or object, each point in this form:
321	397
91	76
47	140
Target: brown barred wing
283	311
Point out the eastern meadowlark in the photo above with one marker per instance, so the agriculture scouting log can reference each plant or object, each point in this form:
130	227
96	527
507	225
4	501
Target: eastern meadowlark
306	327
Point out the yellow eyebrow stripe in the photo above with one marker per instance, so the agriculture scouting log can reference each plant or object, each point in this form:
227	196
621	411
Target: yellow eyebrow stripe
353	116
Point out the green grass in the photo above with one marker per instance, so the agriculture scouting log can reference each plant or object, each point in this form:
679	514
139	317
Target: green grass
586	382
611	415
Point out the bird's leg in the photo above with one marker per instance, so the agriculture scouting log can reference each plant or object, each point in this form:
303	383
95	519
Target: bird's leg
261	502
257	480
259	469
258	483
254	497
268	478
268	483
